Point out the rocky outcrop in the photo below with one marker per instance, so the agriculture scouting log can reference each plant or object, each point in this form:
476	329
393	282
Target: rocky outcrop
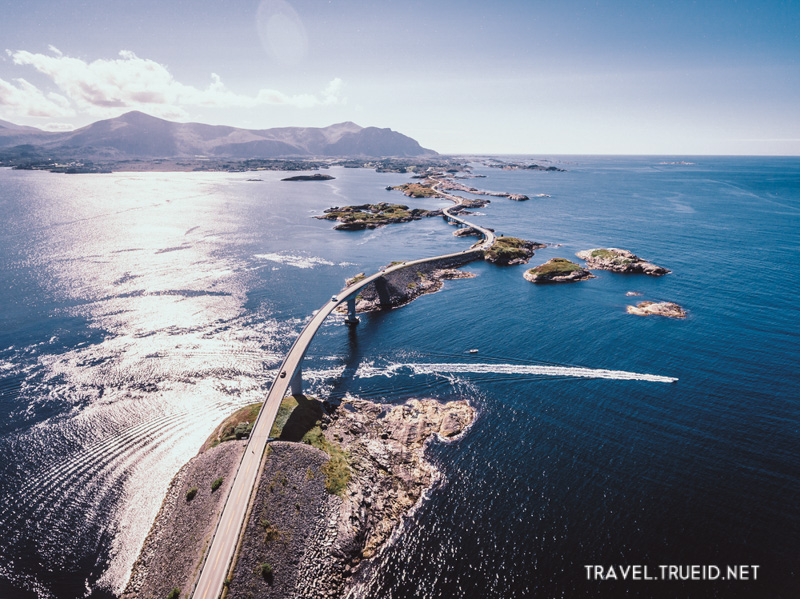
557	270
617	260
386	445
668	309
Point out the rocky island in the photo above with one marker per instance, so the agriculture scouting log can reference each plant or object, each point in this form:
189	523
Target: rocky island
507	251
617	260
334	488
371	216
314	177
668	309
557	270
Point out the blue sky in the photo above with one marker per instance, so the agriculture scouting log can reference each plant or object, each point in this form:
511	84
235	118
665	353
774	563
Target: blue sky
619	77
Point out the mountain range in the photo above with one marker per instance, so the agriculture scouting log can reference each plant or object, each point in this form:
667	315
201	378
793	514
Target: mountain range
137	135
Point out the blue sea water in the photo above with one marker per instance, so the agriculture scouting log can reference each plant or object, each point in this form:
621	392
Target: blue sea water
139	309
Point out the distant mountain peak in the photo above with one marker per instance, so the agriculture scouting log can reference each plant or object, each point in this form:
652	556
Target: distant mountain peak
136	134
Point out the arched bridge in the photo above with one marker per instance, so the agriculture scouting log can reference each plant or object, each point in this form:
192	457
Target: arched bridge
232	520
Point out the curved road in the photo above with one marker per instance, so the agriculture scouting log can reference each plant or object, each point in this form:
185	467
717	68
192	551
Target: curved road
232	520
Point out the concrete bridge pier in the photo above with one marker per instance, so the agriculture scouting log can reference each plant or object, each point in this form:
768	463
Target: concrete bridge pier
383	292
351	319
296	384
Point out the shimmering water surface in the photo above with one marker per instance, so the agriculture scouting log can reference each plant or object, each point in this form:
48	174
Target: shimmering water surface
139	309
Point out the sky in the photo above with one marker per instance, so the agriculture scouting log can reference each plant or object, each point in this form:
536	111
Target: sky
669	77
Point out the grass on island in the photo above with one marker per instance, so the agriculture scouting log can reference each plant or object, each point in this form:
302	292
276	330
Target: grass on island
356	279
604	254
505	249
555	267
236	426
417	190
299	420
174	593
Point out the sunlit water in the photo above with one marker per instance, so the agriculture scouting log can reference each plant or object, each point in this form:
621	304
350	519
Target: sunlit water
139	309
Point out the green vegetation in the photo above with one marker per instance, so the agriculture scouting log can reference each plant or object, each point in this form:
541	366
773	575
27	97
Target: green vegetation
299	420
271	532
191	493
337	469
417	190
506	249
174	593
265	570
555	267
216	484
297	415
236	426
614	257
372	214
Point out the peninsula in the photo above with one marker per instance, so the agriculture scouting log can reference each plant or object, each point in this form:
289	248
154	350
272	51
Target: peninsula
336	484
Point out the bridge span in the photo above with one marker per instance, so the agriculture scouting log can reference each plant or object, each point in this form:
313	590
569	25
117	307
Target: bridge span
231	524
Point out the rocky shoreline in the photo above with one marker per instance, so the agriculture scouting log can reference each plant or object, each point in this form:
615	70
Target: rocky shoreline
301	539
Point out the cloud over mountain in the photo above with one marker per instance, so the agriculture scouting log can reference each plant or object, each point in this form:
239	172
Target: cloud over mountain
104	86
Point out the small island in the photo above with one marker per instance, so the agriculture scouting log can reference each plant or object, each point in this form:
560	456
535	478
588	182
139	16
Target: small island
622	261
668	309
314	177
370	216
507	251
557	270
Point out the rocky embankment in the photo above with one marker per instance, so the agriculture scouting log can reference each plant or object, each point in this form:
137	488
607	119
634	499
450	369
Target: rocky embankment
557	270
402	286
170	556
617	260
371	216
668	309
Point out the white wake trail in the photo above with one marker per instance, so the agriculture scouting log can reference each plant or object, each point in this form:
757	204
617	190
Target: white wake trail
515	369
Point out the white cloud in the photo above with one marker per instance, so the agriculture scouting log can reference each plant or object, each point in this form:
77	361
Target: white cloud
24	99
104	86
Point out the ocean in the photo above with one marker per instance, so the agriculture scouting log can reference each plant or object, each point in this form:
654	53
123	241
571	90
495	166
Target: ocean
138	309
